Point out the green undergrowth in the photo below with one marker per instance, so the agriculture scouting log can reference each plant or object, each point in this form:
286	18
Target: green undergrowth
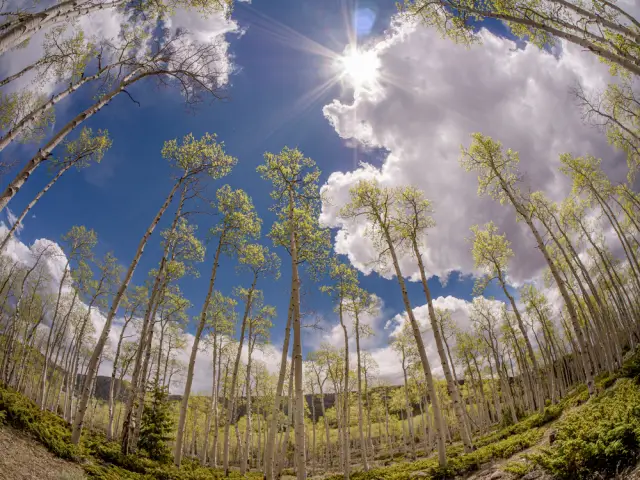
518	468
100	459
631	367
536	420
51	430
601	437
458	463
110	463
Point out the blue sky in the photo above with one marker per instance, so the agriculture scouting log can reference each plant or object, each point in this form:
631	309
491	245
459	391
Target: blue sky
265	110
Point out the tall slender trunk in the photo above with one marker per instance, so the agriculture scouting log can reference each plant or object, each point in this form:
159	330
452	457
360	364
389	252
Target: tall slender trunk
282	458
408	409
452	387
328	457
212	402
363	445
538	397
437	413
270	444
586	364
43	381
19	30
234	374
114	370
159	281
97	352
43	153
177	456
346	445
247	439
33	116
300	454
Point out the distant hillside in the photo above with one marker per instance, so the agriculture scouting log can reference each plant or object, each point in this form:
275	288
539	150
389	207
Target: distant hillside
102	387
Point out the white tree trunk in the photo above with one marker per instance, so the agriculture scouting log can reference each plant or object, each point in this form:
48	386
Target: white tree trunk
92	368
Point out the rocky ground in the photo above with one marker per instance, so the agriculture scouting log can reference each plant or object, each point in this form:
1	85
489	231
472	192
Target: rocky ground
23	458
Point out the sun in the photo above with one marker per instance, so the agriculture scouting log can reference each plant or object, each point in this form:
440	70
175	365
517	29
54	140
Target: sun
359	67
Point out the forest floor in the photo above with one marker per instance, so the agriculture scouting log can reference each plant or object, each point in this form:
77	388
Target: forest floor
593	437
22	457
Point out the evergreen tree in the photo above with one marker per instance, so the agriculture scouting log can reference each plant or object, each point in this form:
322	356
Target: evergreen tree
157	426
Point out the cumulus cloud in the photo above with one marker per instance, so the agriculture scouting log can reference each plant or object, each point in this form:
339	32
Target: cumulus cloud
12	219
106	24
431	96
330	331
55	262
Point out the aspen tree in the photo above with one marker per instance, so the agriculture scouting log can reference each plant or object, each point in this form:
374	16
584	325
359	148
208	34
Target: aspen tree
259	325
221	321
346	281
295	180
376	205
498	177
603	28
193	159
260	263
316	362
79	242
404	345
492	253
175	59
412	219
80	153
238	223
19	28
133	303
359	303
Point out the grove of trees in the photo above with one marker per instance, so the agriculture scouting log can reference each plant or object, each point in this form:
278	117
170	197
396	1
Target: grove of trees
66	311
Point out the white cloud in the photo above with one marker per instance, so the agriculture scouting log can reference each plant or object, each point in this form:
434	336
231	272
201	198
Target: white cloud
433	94
12	219
55	261
106	24
330	331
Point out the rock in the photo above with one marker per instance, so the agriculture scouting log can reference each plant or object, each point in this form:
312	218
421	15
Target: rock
552	437
418	475
536	475
489	474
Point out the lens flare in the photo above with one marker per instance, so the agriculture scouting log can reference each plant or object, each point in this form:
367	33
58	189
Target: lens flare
360	68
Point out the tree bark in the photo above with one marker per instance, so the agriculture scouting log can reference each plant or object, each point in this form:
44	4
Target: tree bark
20	30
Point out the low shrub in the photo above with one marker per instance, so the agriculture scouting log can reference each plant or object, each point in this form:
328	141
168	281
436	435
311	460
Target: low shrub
536	420
602	437
111	472
51	430
458	463
631	367
575	397
109	452
518	468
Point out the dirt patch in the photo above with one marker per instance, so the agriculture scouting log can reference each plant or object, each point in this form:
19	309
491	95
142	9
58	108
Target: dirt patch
23	458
